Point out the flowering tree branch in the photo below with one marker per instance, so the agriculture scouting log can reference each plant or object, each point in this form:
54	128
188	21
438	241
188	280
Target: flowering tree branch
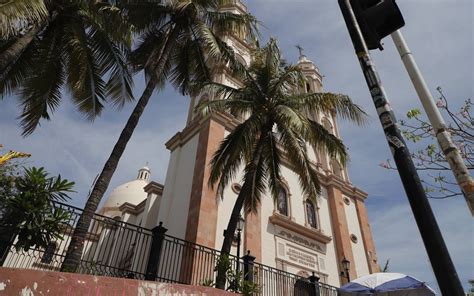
438	180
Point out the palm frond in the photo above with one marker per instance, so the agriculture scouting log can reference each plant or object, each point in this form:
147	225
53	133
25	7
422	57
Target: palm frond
190	67
146	14
328	103
85	71
218	51
256	178
111	58
145	54
285	115
287	83
243	25
322	140
226	98
107	18
273	159
297	155
17	15
41	90
231	152
16	73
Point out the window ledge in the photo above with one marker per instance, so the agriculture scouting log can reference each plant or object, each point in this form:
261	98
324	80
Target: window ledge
314	234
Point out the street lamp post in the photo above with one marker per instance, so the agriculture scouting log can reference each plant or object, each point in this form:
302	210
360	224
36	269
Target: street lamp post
346	266
240	227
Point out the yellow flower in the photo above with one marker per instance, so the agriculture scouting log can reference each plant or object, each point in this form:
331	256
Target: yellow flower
12	154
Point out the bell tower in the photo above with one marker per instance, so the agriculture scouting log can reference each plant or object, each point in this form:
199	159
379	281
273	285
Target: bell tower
189	206
191	210
345	205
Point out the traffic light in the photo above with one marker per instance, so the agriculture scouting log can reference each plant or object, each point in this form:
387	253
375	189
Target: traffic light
377	19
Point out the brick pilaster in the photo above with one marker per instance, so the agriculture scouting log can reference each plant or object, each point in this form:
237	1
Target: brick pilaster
253	234
341	231
367	239
202	217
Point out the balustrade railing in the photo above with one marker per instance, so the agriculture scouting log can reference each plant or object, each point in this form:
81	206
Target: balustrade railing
119	249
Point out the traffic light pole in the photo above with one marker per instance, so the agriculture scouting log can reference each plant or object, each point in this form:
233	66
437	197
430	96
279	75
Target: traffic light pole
438	254
443	136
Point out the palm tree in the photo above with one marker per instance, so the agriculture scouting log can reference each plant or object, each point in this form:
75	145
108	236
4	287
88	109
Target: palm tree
179	40
277	127
51	46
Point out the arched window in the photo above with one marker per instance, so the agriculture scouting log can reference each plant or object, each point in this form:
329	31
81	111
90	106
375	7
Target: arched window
282	202
311	214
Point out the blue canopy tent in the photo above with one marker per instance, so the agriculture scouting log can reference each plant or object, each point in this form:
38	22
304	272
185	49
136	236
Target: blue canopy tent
386	284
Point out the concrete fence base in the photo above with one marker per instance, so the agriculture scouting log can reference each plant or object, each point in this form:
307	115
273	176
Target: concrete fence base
27	282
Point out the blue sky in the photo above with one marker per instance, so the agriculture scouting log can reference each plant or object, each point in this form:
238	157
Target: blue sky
439	33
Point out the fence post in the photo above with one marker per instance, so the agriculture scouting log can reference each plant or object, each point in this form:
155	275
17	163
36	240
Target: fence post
248	267
315	284
5	243
155	252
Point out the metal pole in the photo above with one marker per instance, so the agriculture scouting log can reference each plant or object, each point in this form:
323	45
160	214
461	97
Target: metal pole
238	251
450	150
438	254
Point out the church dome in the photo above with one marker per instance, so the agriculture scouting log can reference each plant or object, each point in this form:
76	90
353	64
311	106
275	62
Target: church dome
131	192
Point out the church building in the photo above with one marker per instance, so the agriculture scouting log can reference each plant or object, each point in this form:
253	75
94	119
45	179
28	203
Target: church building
294	234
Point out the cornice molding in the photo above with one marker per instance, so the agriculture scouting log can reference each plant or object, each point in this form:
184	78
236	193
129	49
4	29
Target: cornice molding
286	223
346	187
154	187
132	209
223	118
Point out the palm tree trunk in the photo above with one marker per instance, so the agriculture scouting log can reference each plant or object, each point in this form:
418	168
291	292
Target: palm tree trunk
13	52
229	236
76	246
74	252
239	203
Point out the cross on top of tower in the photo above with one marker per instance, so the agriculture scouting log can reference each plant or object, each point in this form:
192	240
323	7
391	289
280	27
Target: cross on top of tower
300	49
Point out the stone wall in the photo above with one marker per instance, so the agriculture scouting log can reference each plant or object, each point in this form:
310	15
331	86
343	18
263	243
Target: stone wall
27	282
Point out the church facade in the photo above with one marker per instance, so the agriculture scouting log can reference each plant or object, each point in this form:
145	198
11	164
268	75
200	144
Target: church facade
294	234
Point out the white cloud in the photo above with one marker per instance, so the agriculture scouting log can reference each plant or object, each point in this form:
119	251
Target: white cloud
78	149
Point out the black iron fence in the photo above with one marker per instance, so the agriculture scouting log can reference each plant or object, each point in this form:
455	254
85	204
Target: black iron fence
178	261
119	249
112	248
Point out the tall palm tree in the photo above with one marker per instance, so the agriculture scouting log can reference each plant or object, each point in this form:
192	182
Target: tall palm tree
51	46
179	40
277	126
